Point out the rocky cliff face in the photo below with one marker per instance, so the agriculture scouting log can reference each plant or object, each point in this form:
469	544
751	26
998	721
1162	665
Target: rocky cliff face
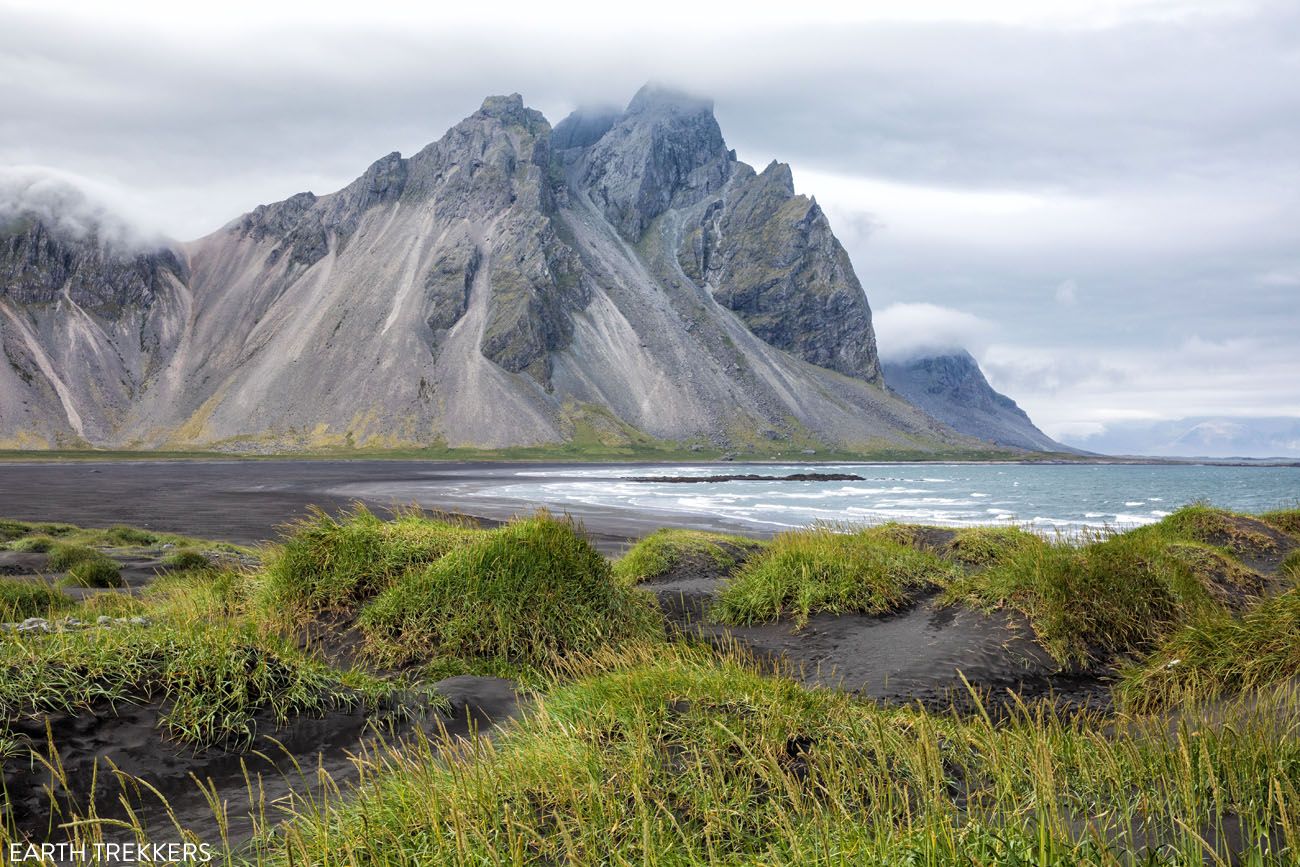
952	388
622	276
84	324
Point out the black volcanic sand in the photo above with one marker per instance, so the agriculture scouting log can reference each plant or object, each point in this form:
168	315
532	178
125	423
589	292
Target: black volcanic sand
282	763
138	569
919	654
245	501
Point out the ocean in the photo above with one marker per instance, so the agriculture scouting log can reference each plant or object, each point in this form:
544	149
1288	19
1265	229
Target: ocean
1048	498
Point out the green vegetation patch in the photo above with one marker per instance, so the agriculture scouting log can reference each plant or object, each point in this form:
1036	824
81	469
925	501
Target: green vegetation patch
1241	535
327	563
33	544
122	536
22	599
65	555
1286	520
97	571
1221	653
685	760
212	679
664	550
183	559
806	572
1088	603
981	547
528	593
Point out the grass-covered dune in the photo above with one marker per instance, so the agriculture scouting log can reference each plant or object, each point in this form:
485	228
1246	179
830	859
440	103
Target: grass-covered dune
678	757
643	744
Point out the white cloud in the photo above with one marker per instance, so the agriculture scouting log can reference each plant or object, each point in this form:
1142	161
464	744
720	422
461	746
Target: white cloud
905	331
73	205
1073	392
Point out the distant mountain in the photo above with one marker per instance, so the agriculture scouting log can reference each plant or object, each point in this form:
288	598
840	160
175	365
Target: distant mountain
952	388
622	276
1203	436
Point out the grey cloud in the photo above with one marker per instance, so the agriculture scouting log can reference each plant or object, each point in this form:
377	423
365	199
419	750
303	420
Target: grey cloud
1166	148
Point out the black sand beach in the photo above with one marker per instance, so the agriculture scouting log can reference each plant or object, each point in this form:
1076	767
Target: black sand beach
244	501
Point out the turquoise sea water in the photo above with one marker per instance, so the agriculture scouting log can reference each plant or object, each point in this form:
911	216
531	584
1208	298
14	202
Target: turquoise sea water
1049	498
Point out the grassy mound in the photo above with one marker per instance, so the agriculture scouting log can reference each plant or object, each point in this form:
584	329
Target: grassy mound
38	544
97	571
1286	520
22	599
528	593
663	550
24	536
1241	535
1116	595
122	536
185	558
806	572
687	761
65	555
327	563
980	547
1222	653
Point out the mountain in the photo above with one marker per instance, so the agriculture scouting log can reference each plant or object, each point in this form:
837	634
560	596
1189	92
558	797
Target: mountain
622	276
952	388
1202	436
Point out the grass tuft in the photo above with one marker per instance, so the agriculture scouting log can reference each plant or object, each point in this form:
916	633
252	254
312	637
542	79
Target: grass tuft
327	563
663	550
65	555
122	536
1112	595
33	544
527	593
183	559
22	599
819	570
981	547
97	571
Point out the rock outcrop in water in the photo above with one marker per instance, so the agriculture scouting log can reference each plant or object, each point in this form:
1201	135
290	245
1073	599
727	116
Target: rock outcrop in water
952	388
620	278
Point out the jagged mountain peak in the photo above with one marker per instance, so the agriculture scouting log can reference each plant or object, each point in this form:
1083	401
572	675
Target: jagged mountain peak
483	292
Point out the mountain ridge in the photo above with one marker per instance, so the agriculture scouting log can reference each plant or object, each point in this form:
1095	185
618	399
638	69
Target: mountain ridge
951	387
492	290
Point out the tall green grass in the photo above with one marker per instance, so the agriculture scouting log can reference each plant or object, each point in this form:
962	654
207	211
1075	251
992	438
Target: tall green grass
327	563
822	570
213	679
1222	653
678	759
22	599
527	593
1113	594
980	547
664	550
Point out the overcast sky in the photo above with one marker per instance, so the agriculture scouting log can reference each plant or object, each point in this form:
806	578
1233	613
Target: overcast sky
1100	199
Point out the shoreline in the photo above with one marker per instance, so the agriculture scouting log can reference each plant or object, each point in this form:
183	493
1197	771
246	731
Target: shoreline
246	501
